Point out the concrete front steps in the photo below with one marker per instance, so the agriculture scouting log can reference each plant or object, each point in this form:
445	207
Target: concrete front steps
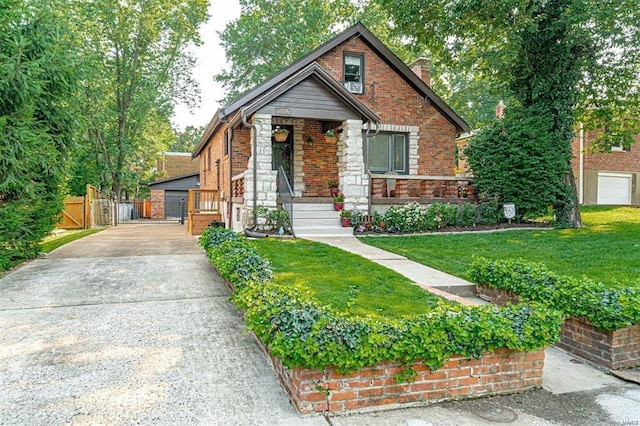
312	220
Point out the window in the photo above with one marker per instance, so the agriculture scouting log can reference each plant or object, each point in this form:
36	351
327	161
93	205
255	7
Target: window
389	152
354	72
618	147
227	141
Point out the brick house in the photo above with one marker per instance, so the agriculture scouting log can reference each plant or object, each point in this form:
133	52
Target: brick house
172	164
395	137
607	178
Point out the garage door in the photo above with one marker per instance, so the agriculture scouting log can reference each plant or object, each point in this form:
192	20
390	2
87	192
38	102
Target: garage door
614	188
174	203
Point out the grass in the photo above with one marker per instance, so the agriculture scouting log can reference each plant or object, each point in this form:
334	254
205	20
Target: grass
54	241
344	281
606	249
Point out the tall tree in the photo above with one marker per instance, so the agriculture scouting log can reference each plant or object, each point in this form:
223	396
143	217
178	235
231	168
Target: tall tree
187	139
39	70
139	62
560	60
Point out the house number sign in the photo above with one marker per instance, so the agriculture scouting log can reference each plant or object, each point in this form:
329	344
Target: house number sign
509	210
283	111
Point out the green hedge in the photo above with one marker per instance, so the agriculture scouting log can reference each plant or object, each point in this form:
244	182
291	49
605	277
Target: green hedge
300	332
608	306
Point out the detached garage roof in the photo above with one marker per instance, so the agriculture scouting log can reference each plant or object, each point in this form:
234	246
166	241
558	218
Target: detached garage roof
178	183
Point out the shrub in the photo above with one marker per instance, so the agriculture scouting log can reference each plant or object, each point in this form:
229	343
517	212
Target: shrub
300	332
490	212
608	306
212	237
466	215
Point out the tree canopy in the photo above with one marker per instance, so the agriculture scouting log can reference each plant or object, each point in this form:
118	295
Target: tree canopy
137	66
560	60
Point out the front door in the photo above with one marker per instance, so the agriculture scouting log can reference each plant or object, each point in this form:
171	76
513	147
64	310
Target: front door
282	154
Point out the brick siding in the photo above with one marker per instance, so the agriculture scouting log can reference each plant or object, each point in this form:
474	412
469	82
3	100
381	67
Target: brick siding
396	102
610	349
157	204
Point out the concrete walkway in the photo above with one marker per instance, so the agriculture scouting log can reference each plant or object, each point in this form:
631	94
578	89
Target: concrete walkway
132	326
418	273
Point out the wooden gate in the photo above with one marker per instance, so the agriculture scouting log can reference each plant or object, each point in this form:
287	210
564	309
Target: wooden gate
94	209
73	216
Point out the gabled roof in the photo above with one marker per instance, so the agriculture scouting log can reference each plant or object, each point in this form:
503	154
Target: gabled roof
188	175
313	70
366	36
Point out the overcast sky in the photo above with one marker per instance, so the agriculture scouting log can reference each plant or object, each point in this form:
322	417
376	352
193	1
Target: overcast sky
210	60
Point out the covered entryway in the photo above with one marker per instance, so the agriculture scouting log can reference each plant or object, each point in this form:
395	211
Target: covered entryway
614	188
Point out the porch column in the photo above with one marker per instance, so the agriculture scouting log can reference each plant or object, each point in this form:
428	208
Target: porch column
354	182
266	178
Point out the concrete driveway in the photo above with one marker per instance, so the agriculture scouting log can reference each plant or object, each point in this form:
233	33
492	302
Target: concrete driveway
130	326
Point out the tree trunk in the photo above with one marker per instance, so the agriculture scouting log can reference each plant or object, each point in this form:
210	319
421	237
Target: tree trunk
567	209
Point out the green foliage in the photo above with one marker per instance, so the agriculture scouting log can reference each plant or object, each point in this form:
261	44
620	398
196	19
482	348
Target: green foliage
518	159
273	218
302	332
236	260
37	62
136	65
561	60
413	218
187	139
609	306
212	237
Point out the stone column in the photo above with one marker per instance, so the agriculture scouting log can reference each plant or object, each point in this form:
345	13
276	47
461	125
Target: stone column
266	177
354	182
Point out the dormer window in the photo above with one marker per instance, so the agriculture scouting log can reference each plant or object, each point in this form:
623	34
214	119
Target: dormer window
354	72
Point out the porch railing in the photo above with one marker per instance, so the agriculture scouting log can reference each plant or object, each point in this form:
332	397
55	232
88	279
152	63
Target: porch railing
285	193
389	186
203	201
237	187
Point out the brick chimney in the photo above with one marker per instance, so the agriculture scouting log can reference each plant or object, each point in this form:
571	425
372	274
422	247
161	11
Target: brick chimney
422	68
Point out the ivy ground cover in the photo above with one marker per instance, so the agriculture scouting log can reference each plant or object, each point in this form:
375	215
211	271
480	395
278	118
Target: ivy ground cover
606	248
315	306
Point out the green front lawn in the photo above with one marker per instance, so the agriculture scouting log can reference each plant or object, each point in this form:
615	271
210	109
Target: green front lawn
607	247
344	281
54	241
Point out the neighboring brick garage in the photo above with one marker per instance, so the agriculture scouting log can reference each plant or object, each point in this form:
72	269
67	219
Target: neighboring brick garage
169	196
606	178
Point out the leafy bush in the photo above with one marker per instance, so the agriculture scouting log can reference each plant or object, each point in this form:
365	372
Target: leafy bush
37	126
489	212
273	218
608	306
300	332
466	215
519	159
212	237
413	218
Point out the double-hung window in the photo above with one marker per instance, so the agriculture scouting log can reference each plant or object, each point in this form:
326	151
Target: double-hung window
388	152
353	72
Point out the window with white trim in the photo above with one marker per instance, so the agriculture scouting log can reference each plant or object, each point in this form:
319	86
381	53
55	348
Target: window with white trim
353	72
389	152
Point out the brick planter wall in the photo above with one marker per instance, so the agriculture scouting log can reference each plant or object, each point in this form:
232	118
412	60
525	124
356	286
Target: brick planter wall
376	387
610	349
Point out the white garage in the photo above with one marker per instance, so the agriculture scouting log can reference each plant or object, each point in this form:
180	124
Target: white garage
614	188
